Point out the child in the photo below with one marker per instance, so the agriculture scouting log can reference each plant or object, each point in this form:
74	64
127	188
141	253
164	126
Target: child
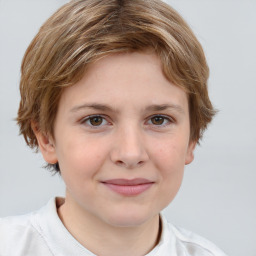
114	94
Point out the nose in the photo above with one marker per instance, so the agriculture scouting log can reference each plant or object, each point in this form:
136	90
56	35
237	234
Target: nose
129	148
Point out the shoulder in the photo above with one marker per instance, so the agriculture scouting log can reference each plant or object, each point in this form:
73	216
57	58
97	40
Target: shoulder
15	227
20	236
189	243
193	242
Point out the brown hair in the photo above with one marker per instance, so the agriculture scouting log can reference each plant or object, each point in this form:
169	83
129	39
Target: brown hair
83	31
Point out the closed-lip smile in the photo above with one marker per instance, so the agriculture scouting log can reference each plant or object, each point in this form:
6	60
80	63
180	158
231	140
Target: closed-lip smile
128	187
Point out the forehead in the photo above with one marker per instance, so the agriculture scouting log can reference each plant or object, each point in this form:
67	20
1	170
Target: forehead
125	79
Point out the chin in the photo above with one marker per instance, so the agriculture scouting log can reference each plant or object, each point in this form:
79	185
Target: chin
129	218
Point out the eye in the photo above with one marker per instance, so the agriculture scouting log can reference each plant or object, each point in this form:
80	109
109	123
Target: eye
160	120
157	120
95	121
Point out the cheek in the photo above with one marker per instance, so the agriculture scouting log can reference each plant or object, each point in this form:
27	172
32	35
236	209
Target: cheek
81	158
169	161
170	155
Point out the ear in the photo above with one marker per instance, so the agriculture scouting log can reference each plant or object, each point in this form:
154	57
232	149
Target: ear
190	152
46	145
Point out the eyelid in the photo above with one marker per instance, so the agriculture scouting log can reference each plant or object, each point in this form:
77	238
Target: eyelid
166	117
83	120
87	118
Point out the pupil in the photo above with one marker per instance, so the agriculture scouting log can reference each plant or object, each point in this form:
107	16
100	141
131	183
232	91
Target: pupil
97	120
158	120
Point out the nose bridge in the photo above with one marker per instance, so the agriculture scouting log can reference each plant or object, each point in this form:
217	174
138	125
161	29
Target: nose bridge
129	147
131	140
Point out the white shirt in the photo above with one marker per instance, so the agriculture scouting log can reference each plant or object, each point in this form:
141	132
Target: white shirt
42	233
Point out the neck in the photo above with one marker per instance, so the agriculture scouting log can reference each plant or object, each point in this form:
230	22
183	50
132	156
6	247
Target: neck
103	239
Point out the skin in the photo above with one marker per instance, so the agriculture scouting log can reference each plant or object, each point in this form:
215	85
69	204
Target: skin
131	137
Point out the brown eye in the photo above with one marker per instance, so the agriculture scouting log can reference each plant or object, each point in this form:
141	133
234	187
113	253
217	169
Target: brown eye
157	120
96	120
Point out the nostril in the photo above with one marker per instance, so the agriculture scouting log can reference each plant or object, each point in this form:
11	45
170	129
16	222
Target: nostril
129	165
119	162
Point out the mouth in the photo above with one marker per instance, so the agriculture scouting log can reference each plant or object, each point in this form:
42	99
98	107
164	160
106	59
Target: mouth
127	187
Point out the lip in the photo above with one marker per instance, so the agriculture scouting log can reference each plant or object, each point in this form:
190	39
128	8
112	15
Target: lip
128	187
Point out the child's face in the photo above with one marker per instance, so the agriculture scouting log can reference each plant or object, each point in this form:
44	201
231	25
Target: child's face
124	123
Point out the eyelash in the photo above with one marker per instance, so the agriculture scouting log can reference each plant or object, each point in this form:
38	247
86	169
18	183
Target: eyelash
167	119
87	119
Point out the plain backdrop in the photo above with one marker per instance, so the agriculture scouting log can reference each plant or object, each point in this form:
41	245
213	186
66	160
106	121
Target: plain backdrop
218	195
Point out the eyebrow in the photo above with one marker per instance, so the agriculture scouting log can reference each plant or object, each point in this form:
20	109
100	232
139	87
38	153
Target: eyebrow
154	107
162	107
95	106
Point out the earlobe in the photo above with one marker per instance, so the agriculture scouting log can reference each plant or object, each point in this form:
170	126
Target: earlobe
190	152
46	145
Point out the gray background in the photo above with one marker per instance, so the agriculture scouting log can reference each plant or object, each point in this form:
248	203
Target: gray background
218	196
